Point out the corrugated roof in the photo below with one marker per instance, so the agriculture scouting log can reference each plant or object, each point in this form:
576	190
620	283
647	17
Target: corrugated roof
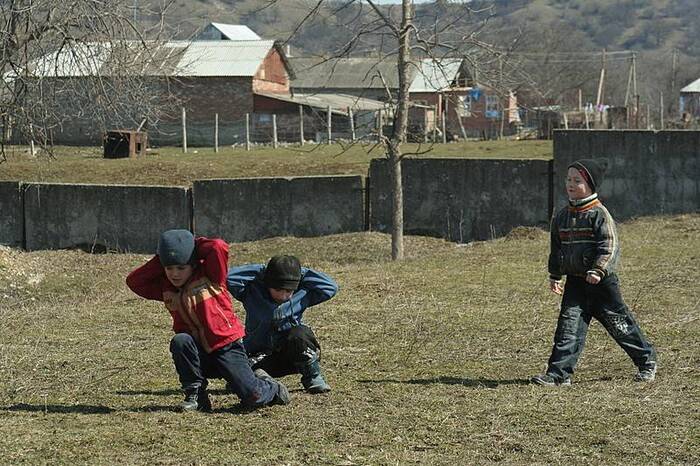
692	87
435	76
364	73
235	31
338	102
223	58
348	73
174	58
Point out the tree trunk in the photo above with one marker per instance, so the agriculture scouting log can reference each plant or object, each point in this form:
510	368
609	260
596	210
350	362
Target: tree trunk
400	127
397	203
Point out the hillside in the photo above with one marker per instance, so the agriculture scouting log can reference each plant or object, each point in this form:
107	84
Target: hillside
554	46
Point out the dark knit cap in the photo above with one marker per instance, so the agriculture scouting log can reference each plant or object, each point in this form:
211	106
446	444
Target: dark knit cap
283	272
591	170
176	247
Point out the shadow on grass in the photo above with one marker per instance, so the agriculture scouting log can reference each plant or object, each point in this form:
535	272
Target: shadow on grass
166	392
477	383
60	409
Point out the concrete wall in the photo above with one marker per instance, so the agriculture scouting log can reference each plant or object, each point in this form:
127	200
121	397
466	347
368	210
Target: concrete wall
648	172
256	208
125	218
463	200
11	224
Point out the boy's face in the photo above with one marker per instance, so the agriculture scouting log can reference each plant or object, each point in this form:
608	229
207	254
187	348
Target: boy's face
280	295
576	186
178	274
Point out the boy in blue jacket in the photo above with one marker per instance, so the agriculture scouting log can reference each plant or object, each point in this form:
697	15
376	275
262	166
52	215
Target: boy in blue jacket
275	297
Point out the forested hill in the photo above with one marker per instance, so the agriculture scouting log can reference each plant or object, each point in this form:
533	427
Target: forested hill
642	25
566	37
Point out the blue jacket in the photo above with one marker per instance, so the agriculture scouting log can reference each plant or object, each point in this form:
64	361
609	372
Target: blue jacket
265	320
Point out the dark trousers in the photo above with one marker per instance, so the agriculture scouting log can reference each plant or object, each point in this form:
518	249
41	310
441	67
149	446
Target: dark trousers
293	350
603	301
194	366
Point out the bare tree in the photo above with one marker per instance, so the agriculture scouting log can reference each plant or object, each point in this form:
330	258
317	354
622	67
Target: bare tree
441	31
89	56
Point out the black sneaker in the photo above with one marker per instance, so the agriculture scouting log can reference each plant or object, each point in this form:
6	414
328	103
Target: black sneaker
196	400
549	381
647	374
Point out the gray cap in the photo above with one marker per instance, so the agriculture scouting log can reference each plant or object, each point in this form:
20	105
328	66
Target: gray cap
176	247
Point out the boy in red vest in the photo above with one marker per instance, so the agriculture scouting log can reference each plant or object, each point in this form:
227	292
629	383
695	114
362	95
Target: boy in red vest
189	276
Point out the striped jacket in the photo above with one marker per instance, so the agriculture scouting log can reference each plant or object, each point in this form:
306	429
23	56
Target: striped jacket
202	307
583	239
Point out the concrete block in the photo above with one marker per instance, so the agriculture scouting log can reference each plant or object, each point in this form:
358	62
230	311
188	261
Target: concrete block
462	199
648	172
11	221
250	209
98	217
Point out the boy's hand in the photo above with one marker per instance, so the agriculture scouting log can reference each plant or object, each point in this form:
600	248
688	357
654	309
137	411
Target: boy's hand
555	286
593	278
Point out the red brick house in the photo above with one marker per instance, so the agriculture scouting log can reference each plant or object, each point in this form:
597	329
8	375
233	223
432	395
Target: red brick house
205	77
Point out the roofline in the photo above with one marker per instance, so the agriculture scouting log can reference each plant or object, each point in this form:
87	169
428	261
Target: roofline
279	46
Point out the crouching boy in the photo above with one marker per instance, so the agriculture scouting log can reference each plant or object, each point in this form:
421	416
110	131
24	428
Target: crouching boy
189	276
585	247
275	297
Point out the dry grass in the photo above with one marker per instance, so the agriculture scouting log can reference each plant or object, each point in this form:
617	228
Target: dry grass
170	166
428	359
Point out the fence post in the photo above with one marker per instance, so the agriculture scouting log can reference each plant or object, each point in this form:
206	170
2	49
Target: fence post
216	132
444	128
352	124
328	123
435	123
274	131
184	130
301	124
31	142
247	131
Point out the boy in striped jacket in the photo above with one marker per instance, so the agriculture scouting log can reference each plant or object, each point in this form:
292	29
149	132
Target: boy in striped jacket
585	247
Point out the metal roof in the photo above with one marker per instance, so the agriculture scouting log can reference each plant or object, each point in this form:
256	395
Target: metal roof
174	58
692	87
339	103
222	58
234	31
435	75
428	75
349	73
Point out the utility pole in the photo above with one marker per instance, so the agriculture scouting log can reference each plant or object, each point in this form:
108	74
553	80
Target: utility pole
599	98
674	65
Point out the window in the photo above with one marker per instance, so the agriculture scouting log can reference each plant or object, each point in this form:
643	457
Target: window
492	107
465	109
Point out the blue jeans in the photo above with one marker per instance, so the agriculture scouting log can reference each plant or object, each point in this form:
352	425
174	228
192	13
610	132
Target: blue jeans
194	366
603	301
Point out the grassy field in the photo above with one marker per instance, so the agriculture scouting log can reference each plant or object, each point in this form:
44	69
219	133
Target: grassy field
428	358
171	167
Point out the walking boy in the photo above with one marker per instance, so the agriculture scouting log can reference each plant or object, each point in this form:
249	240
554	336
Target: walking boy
585	247
189	276
275	297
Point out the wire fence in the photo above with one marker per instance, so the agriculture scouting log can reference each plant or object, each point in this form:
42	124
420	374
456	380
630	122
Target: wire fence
268	129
